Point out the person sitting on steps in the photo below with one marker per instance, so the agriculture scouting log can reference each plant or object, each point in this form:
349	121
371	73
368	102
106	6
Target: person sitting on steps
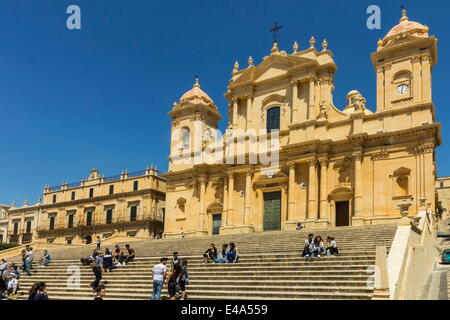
316	247
332	249
233	253
222	256
128	258
210	254
308	242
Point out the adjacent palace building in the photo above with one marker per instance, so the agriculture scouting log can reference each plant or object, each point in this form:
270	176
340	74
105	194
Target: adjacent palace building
337	166
129	204
354	165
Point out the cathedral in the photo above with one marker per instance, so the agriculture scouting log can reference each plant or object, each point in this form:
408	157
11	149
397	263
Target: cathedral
333	165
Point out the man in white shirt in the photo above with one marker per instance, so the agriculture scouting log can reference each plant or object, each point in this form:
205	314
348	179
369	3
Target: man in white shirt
159	276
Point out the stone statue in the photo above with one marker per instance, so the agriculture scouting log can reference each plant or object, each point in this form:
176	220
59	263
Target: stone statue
323	111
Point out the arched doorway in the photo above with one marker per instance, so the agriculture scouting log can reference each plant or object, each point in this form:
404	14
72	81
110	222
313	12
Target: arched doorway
88	239
214	212
340	199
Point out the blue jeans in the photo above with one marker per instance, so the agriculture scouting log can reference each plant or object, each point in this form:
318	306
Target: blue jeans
27	267
157	287
311	251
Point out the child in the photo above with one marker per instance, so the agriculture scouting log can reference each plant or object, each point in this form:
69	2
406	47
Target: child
99	241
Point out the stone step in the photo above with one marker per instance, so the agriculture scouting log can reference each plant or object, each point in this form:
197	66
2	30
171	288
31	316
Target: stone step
195	284
195	266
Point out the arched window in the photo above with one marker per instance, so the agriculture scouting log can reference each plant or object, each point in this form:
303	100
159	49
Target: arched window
185	133
273	119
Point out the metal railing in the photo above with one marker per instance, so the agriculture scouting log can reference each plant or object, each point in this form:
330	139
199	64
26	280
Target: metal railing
27	237
100	222
14	238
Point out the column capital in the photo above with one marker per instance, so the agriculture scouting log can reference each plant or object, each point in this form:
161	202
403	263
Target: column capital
323	161
230	175
295	81
358	155
312	162
291	164
202	178
250	172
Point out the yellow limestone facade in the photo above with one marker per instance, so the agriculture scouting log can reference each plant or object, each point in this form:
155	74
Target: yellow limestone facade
350	165
129	204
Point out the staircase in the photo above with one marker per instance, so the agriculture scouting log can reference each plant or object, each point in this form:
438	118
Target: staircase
270	267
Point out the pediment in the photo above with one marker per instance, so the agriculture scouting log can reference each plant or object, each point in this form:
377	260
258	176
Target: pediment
272	67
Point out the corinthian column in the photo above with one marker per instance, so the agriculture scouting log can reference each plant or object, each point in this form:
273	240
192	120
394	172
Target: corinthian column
230	198
291	191
249	111
202	180
312	190
294	117
323	188
358	183
248	191
235	113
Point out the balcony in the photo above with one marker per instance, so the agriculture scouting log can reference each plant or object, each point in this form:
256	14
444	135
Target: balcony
14	238
27	238
99	225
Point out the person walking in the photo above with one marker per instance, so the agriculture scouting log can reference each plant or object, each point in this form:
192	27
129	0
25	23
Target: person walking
26	262
173	283
159	276
97	266
99	242
184	278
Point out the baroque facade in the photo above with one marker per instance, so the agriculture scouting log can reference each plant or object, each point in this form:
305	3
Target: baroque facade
129	204
336	167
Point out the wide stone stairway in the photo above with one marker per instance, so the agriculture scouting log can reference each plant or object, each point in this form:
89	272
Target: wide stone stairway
270	267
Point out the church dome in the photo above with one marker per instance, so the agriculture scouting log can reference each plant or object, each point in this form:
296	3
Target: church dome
196	95
407	26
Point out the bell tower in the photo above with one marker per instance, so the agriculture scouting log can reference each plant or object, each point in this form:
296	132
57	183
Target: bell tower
194	124
403	63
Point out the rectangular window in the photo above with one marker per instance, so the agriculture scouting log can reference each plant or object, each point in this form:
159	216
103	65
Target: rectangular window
89	218
273	119
52	222
69	241
54	198
133	213
135	185
73	196
109	213
16	227
111	189
91	192
28	227
70	222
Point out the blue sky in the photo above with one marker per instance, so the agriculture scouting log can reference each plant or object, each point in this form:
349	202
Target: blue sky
98	97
